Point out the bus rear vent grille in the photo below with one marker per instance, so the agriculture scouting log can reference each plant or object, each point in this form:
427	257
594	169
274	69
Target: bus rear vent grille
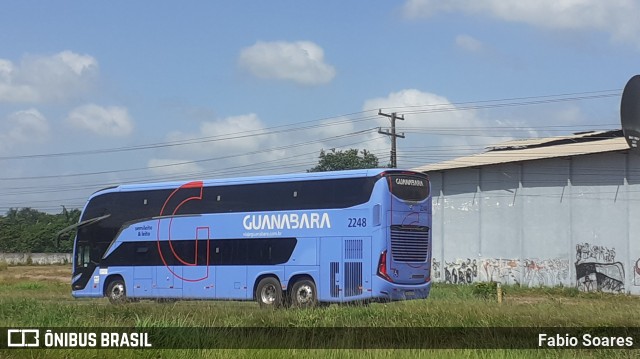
409	243
352	279
353	249
334	273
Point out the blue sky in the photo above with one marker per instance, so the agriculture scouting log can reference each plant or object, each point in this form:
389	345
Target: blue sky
222	89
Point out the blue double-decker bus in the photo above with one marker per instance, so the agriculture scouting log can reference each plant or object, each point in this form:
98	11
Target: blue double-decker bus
299	240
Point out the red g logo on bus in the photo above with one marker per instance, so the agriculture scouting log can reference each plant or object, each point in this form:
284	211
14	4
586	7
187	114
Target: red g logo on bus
191	191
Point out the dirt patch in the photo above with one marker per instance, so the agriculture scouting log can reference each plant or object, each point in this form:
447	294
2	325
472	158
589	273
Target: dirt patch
56	273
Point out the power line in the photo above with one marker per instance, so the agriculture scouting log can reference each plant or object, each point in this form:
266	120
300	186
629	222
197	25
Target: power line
189	162
15	191
345	118
192	141
508	102
278	165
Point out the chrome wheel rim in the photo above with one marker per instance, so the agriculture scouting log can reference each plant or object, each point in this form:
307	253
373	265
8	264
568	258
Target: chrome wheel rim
304	294
117	292
268	295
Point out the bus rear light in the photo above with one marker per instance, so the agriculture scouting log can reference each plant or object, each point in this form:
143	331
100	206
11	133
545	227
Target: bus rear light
382	266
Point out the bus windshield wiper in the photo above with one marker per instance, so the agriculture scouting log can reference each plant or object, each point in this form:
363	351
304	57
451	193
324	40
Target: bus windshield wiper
86	222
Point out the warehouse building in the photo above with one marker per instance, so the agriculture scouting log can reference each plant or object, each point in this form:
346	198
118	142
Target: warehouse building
559	211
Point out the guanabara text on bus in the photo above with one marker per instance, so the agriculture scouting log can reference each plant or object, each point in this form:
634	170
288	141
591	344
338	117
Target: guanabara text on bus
298	240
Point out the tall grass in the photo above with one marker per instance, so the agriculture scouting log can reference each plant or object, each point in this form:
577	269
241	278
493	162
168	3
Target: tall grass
26	303
46	303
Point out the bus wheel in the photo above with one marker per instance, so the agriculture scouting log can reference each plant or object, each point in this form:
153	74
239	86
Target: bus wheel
117	292
269	293
303	294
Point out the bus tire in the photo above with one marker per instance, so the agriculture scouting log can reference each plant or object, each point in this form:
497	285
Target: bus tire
117	291
269	293
303	294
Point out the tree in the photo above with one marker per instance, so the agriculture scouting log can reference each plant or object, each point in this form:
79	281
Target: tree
28	230
345	160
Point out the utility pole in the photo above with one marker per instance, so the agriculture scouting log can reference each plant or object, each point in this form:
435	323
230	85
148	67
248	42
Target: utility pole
393	116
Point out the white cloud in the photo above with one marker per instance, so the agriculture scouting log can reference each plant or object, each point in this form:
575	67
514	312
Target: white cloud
231	145
6	69
239	142
437	129
431	120
224	136
328	134
236	126
616	17
232	141
78	63
301	62
434	110
468	43
38	79
105	121
28	126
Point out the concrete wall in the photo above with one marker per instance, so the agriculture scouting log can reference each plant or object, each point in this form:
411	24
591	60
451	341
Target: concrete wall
573	222
36	258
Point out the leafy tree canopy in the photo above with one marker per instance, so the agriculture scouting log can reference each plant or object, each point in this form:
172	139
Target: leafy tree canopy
27	230
345	160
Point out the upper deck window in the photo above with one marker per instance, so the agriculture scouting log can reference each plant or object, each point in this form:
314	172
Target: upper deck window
128	206
409	187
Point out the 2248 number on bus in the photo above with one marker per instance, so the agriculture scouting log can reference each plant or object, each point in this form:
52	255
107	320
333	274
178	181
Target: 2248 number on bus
357	222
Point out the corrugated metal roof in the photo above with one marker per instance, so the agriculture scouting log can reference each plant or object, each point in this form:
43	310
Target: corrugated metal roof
535	149
530	142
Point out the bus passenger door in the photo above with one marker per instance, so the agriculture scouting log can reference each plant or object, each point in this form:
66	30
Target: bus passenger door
198	273
143	275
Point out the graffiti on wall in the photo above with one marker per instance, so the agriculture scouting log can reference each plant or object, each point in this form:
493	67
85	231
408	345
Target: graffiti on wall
585	252
545	272
530	271
506	271
636	273
461	271
597	270
435	270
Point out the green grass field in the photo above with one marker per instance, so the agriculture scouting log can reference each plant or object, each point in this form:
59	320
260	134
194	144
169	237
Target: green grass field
40	297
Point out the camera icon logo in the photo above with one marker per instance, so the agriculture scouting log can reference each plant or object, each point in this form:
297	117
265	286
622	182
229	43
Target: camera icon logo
23	338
